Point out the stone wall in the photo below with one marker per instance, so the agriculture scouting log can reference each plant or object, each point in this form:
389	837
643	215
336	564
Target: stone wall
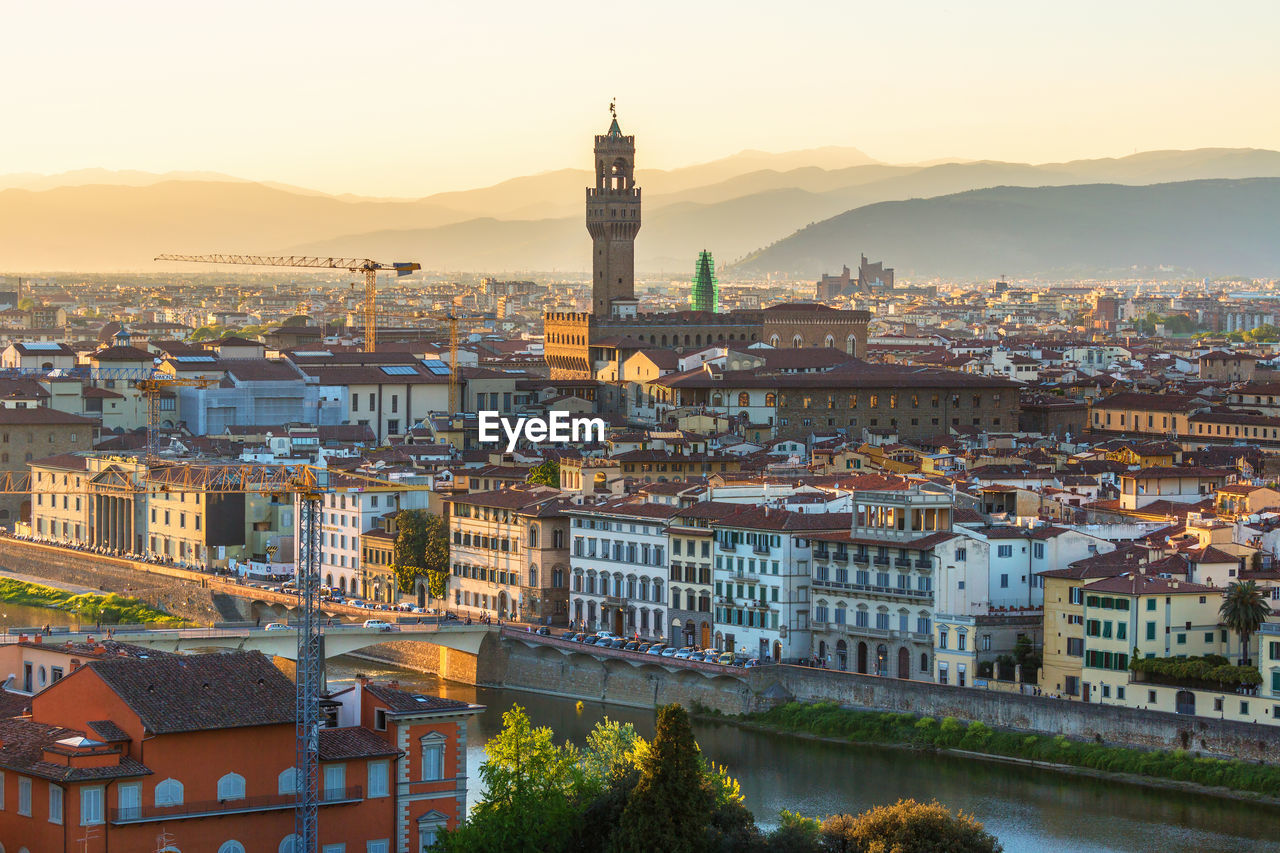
557	668
159	586
1100	723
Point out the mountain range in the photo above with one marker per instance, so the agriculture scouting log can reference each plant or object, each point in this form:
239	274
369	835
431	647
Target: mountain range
98	220
1207	227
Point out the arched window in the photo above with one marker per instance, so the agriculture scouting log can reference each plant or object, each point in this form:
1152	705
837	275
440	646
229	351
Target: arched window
744	399
851	345
829	341
169	793
533	536
231	787
657	590
770	400
774	341
288	844
533	575
287	781
797	342
231	847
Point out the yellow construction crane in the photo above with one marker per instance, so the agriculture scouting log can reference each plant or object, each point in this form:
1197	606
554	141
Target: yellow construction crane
355	265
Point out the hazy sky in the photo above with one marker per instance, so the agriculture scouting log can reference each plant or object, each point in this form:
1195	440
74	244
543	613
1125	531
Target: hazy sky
407	98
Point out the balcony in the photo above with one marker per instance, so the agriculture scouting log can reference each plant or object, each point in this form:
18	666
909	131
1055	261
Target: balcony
923	564
904	592
902	563
244	805
840	556
880	561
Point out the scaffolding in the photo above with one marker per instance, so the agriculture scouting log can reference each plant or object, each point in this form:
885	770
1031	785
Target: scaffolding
705	294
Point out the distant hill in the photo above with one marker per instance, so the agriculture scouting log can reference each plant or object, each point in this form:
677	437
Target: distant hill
102	220
1218	227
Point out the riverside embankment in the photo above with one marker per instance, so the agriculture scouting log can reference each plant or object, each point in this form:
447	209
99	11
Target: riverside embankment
516	659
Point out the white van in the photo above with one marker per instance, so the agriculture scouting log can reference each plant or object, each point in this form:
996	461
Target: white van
380	624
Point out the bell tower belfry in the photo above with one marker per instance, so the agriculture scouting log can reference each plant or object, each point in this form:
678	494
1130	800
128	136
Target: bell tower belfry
613	218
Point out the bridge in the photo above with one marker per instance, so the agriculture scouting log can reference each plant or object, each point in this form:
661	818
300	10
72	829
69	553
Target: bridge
339	639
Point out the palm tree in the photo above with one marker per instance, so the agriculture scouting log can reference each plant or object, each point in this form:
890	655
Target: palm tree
1243	610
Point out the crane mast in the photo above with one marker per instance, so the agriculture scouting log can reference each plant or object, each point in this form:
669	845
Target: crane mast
369	268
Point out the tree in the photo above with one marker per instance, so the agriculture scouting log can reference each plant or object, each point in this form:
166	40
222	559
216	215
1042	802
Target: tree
611	748
671	806
546	474
908	827
795	834
1243	610
421	548
530	787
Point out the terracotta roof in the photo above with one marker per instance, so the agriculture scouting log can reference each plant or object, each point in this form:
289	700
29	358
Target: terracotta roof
403	702
23	743
41	416
1138	583
184	693
352	742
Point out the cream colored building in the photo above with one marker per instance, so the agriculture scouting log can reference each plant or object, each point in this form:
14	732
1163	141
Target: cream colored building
1148	615
509	555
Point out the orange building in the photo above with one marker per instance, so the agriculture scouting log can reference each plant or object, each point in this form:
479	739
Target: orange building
201	749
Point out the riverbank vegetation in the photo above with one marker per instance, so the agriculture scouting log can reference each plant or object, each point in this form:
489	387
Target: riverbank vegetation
826	719
107	609
623	794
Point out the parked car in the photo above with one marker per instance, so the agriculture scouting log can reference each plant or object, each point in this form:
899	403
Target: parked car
655	649
753	662
606	635
683	654
644	648
670	652
632	646
543	631
579	638
725	659
617	643
592	640
275	626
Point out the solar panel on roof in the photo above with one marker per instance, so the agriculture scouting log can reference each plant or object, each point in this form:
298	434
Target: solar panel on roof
436	366
43	347
399	370
194	359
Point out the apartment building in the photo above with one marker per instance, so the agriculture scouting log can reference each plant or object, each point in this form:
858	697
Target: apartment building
1062	669
763	580
204	746
344	517
510	556
691	544
1146	614
873	584
34	433
620	567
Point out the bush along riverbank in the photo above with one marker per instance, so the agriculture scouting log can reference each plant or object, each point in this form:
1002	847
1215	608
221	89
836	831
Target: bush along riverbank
109	609
828	720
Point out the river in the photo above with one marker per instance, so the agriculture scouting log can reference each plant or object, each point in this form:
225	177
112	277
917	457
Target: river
1029	810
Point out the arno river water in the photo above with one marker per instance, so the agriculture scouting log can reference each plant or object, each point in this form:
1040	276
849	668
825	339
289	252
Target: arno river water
1031	811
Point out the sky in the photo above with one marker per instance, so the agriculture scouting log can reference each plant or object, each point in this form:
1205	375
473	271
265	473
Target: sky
409	98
